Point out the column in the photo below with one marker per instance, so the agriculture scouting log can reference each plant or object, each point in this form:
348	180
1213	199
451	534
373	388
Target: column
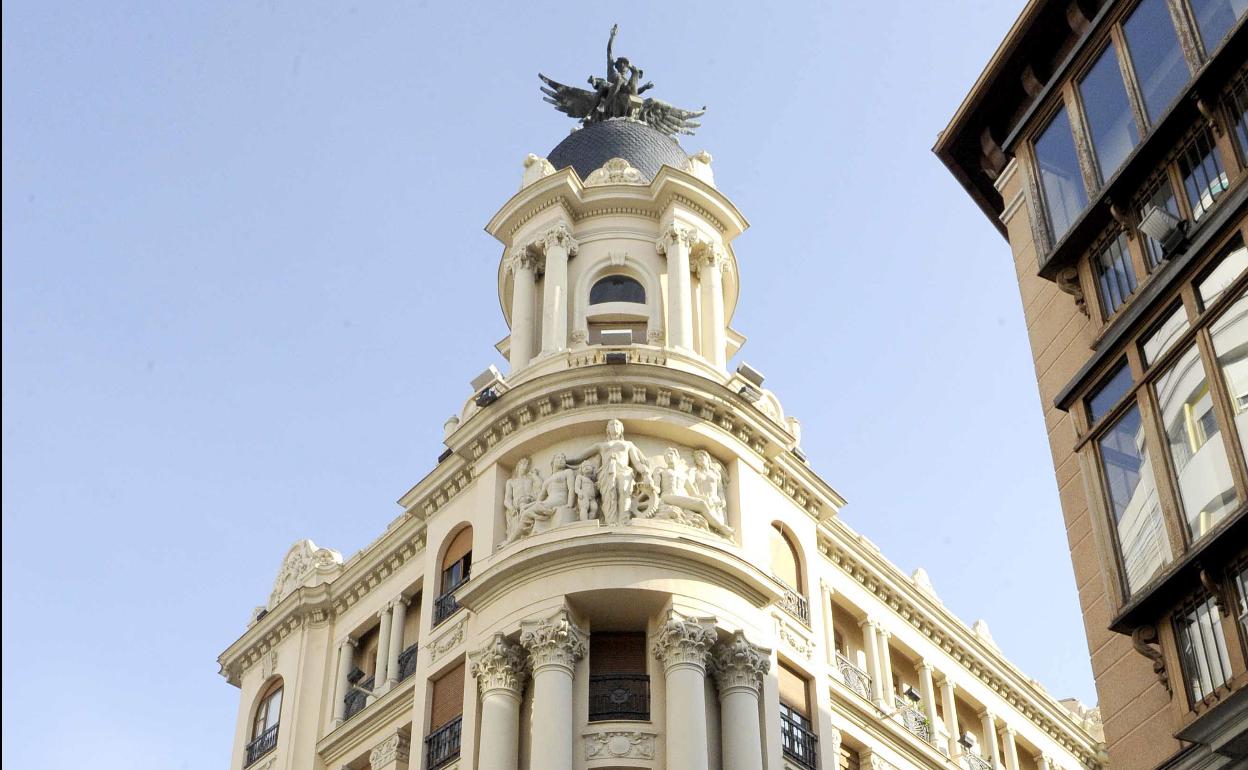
390	754
871	645
398	618
555	645
682	645
1011	748
381	670
346	662
829	632
739	667
928	694
990	752
949	705
559	246
675	243
834	746
886	672
499	668
711	265
523	266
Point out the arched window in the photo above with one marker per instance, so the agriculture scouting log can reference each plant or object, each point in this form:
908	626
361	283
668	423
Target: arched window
456	566
264	724
784	563
617	288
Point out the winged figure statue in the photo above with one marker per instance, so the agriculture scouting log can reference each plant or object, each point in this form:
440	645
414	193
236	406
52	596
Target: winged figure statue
618	95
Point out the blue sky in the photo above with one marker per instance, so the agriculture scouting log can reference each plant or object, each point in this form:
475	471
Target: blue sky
245	282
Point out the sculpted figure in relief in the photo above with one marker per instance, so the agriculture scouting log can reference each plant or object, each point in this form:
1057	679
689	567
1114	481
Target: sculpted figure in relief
587	491
521	490
620	463
694	498
558	493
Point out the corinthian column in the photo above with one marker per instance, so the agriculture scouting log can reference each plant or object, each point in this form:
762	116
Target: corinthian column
499	668
675	243
381	666
739	667
554	645
559	245
398	618
711	265
682	645
991	752
346	661
523	266
871	646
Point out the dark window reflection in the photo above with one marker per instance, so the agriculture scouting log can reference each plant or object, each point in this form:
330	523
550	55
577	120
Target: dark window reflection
1060	180
1105	104
1156	56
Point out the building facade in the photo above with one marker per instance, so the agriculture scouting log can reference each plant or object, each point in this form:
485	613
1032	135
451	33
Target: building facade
1107	141
622	559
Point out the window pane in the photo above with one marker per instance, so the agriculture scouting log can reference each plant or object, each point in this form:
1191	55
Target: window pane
1164	336
274	709
1202	647
1115	277
1216	18
1110	122
1060	179
1131	492
1161	197
617	288
1237	106
1222	276
1230	344
1156	56
1241	592
1204	181
1115	387
1206	489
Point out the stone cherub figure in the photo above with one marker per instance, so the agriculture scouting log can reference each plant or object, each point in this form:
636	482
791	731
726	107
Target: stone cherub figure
558	491
587	491
521	490
620	464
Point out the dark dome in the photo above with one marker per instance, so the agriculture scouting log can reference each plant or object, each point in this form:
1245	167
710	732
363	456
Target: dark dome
644	147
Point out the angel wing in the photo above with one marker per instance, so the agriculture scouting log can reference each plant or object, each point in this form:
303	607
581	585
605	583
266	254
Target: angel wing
571	101
670	119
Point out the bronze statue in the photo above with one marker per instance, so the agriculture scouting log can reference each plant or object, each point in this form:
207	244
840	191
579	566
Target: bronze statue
618	95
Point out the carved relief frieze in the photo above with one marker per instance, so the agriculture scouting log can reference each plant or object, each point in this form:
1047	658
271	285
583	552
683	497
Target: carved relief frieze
393	749
620	744
795	639
615	171
452	638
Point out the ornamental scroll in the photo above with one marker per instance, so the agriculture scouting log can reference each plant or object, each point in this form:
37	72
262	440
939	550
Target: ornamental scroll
615	482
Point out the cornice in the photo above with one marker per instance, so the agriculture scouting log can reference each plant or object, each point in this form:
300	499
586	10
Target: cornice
361	728
304	606
861	560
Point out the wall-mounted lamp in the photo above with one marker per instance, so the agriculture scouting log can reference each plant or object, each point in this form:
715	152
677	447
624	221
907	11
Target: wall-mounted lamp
1165	228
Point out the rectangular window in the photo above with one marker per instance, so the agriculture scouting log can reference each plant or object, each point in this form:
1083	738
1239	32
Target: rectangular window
1230	345
797	736
1061	182
1218	279
1240	579
1197	451
1110	393
619	687
1115	277
1155	53
1131	493
1204	180
1110	121
1161	196
1215	19
1202	648
1165	334
1237	107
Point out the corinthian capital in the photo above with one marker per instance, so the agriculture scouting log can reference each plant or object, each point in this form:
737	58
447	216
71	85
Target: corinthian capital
500	665
674	235
712	257
560	237
684	640
523	258
736	663
555	641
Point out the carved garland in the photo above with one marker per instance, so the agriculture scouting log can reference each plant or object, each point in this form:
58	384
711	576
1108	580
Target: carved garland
918	619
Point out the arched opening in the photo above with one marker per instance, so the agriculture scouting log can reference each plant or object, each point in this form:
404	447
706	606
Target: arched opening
456	568
786	566
265	721
617	312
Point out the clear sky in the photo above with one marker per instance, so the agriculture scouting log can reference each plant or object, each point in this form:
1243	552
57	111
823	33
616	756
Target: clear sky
245	282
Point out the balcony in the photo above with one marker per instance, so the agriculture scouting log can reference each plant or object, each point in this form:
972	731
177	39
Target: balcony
261	745
913	720
623	697
856	678
796	605
798	740
356	700
975	762
407	661
445	605
442	745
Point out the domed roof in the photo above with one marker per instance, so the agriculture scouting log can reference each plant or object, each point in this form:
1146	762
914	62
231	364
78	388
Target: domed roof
644	147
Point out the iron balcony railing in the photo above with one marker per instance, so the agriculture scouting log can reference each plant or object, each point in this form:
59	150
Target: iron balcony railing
445	605
356	700
261	745
913	719
976	762
619	697
857	679
407	661
442	745
798	740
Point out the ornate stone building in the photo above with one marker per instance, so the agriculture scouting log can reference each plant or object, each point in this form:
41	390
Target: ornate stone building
622	559
1107	141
